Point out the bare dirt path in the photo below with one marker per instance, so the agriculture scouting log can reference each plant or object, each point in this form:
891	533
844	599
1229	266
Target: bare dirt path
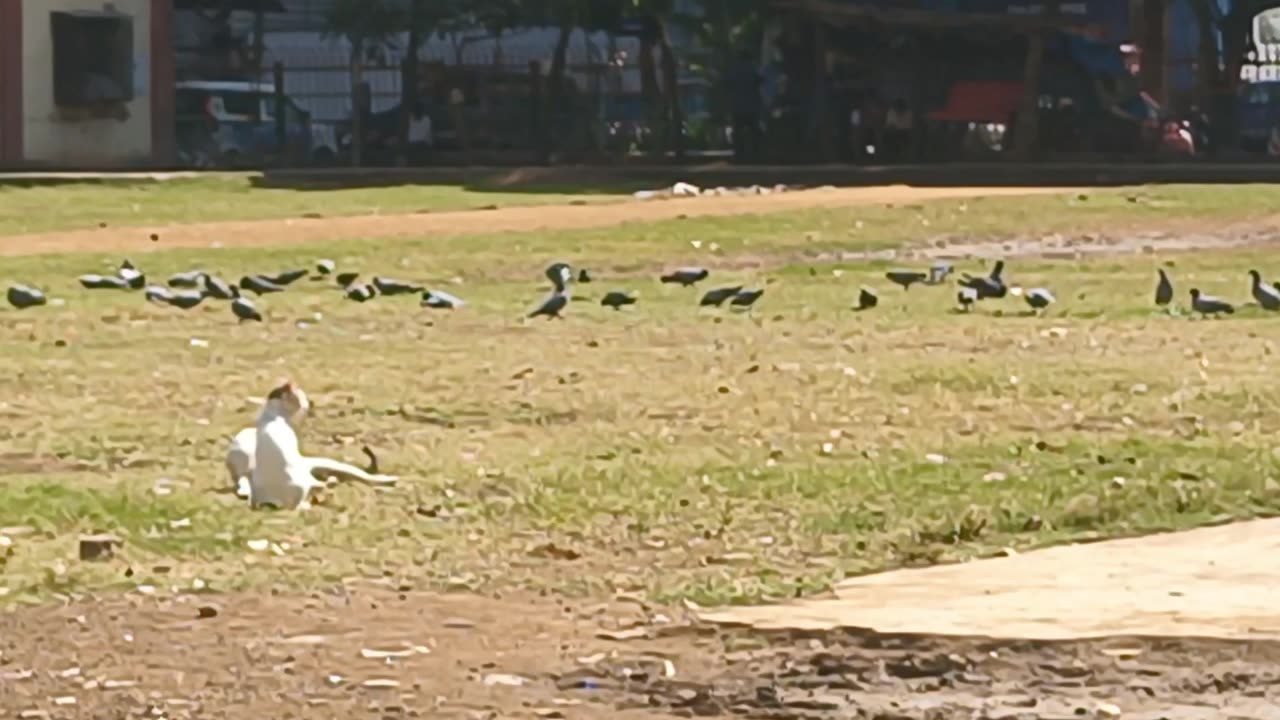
474	222
376	652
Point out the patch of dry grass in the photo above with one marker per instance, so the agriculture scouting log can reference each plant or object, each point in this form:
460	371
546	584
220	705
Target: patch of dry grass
661	450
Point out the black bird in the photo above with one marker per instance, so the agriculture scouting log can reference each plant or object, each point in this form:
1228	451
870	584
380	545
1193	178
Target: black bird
616	299
1208	305
325	267
346	278
1164	289
440	300
718	296
23	297
258	284
1267	296
245	310
361	293
157	292
390	287
288	277
131	275
217	288
991	286
583	276
746	298
685	276
559	273
104	282
184	300
1039	298
967	297
190	279
553	305
905	278
867	299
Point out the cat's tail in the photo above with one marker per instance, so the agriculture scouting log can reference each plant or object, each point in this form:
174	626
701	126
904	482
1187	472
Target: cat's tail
328	467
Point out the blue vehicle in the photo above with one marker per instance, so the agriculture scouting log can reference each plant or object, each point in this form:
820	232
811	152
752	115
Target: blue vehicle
232	123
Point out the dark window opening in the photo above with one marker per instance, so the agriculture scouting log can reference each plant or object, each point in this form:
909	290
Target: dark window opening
92	58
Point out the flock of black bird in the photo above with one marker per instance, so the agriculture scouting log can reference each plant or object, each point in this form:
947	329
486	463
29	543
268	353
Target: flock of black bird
188	290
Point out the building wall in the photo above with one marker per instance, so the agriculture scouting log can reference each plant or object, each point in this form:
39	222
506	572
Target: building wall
10	83
52	137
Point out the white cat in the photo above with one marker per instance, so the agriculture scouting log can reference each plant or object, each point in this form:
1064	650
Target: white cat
266	465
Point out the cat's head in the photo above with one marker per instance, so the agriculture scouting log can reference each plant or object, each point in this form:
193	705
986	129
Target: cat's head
289	400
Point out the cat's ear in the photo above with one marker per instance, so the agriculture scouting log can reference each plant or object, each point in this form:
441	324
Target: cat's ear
280	391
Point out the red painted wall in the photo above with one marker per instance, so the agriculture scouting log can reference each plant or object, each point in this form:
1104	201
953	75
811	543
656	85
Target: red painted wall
10	83
163	144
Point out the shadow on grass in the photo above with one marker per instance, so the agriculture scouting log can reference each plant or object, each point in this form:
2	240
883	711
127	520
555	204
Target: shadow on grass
614	179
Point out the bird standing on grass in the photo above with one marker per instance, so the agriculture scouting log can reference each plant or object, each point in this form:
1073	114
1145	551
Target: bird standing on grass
189	279
23	297
440	300
686	276
967	297
1268	297
560	275
718	296
1164	289
389	287
346	278
245	310
184	300
218	289
131	275
1039	299
325	267
288	277
905	278
361	293
938	273
746	298
867	299
1208	305
616	299
103	282
259	285
991	286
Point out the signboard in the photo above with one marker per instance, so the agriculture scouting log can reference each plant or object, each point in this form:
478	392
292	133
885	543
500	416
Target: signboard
1262	61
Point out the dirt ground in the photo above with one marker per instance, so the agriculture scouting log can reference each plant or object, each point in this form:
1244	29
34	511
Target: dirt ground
375	650
473	222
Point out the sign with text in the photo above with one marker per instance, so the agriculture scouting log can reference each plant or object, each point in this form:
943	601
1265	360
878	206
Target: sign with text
1262	61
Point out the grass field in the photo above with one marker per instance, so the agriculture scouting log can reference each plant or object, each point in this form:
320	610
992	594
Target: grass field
231	196
662	450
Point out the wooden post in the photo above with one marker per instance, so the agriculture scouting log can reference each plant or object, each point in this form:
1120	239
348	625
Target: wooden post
282	121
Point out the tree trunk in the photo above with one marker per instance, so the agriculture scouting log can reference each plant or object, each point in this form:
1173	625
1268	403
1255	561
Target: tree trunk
671	89
553	94
357	107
